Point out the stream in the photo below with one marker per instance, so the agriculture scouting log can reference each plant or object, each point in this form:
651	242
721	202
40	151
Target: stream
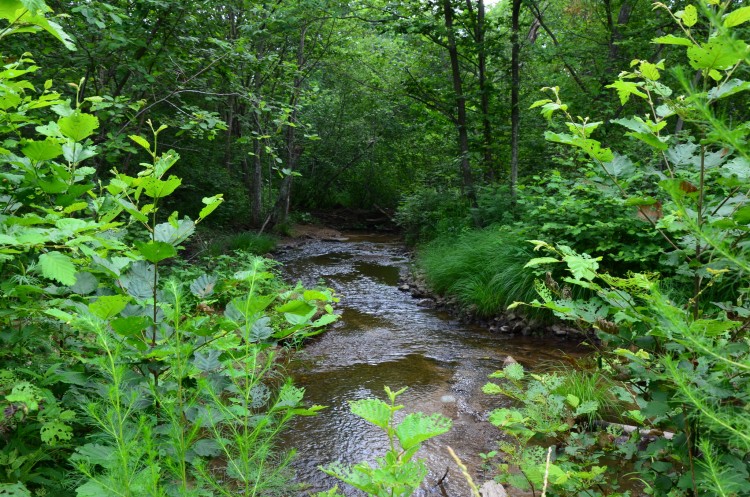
386	337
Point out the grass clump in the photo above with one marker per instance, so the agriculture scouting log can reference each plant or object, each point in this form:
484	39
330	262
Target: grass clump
484	269
594	386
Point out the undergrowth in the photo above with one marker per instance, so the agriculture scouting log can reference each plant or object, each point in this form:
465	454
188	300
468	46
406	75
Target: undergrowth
483	270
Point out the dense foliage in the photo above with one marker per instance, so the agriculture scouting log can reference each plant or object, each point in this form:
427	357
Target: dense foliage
125	370
122	372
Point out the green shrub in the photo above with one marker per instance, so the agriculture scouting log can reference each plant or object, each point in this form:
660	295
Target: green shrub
115	377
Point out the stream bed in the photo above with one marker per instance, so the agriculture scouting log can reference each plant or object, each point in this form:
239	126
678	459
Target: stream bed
386	337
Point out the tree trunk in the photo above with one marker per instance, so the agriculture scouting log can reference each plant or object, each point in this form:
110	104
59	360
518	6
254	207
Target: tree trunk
256	185
461	121
484	89
515	115
293	149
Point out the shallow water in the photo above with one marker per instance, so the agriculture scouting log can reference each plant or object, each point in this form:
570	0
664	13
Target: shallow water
385	337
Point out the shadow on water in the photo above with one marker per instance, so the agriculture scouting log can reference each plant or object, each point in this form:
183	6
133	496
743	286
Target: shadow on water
386	338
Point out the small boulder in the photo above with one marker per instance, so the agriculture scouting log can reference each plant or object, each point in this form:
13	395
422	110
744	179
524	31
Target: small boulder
509	360
492	489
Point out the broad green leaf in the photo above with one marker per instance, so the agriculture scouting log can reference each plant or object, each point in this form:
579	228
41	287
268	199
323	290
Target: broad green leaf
630	201
689	16
141	141
36	7
737	17
582	266
418	427
29	16
77	152
58	314
591	147
728	89
717	53
296	307
673	40
742	216
131	209
620	166
324	320
572	400
588	407
316	295
78	125
207	361
156	251
139	281
625	89
164	162
682	154
54	432
92	488
42	150
539	103
131	326
86	283
203	286
211	204
375	411
514	371
108	306
505	418
59	267
166	232
25	393
260	330
158	188
649	70
14	490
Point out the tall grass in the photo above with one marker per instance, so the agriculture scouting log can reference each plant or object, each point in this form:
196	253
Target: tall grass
482	269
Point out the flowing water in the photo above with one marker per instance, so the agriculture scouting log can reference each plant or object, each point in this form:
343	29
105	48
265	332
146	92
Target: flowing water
385	337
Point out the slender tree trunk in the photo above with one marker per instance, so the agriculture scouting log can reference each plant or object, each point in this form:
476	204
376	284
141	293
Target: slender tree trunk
461	121
256	185
231	102
515	115
484	91
293	149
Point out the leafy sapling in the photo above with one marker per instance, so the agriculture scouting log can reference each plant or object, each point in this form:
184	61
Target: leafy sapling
397	474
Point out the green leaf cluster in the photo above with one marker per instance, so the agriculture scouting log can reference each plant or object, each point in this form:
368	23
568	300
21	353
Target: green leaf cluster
396	473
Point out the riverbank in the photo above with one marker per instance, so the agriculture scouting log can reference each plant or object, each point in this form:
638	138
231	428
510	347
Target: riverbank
508	324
